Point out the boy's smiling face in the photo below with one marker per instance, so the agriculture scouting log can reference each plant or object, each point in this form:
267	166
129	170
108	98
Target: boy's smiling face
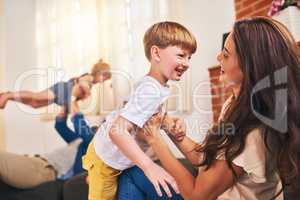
173	62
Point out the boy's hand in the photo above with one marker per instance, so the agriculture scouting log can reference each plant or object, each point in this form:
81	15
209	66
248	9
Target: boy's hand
174	127
126	143
159	177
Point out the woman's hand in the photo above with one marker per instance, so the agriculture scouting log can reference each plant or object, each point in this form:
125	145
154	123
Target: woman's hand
173	126
151	130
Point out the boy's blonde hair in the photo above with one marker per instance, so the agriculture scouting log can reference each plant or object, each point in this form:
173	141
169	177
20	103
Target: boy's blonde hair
164	34
100	67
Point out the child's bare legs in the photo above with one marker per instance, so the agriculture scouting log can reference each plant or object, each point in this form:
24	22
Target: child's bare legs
33	99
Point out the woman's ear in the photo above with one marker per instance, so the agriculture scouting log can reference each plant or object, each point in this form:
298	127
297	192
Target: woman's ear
155	53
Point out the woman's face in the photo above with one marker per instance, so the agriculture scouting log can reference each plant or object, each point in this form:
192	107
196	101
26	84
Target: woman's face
228	60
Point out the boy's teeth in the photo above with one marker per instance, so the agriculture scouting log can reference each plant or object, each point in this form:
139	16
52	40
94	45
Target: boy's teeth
178	70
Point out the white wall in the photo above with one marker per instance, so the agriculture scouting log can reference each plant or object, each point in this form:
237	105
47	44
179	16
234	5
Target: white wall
25	133
208	20
2	56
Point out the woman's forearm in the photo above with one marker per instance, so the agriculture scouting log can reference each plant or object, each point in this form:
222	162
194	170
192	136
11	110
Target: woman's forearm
187	147
175	129
183	177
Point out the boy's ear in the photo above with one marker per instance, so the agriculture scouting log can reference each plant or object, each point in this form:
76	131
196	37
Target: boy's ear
155	53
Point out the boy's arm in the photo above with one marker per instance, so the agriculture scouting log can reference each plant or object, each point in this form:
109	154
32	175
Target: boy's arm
120	135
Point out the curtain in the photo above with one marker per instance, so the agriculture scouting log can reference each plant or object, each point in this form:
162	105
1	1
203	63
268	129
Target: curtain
74	34
68	45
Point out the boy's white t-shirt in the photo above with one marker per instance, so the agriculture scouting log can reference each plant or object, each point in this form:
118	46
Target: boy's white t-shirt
147	99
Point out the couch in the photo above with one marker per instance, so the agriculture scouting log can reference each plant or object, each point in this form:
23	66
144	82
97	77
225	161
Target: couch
74	189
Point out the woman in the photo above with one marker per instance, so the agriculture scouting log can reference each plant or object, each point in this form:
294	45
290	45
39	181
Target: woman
254	151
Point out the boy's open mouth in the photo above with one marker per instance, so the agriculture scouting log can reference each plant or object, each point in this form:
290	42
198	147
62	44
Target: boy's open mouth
222	70
179	71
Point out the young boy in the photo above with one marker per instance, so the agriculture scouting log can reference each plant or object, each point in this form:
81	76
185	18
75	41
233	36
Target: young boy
61	92
117	146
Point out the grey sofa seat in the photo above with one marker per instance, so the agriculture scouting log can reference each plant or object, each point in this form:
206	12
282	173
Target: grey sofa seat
73	189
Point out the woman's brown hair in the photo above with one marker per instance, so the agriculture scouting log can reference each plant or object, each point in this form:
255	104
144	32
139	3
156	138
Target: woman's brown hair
264	46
